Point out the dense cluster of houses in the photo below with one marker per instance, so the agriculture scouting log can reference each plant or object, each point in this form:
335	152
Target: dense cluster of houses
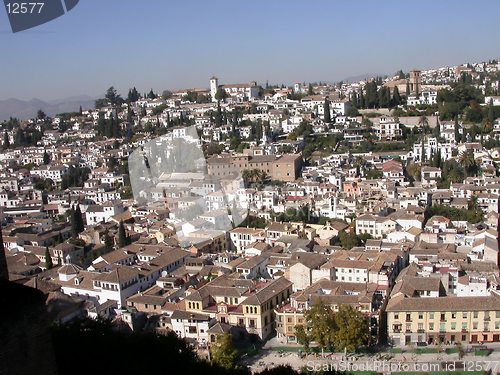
187	267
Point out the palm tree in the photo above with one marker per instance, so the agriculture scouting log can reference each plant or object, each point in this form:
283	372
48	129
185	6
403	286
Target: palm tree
359	162
423	121
247	175
468	162
255	174
454	176
262	176
487	127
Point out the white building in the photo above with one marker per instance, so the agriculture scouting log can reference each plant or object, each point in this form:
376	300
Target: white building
189	325
54	172
470	286
102	214
386	128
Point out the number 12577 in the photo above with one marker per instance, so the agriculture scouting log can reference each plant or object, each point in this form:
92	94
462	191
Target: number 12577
24	7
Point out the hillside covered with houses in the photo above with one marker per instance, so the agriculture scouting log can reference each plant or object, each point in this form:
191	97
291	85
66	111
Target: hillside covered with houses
254	202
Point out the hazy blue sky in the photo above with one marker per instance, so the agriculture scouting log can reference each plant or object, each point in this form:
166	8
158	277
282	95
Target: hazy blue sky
164	44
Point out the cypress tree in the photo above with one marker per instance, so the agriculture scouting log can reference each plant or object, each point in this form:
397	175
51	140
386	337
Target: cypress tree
74	226
423	151
6	142
218	116
457	133
122	236
235	122
328	118
79	220
371	98
48	259
490	112
396	97
46	158
59	238
108	242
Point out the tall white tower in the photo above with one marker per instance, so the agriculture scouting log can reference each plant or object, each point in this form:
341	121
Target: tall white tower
214	85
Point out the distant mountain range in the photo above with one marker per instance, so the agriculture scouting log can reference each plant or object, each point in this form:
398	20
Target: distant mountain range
363	77
25	110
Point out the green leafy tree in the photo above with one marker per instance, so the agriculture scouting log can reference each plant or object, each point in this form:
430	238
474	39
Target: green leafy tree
374	174
319	326
100	103
48	259
46	158
223	353
191	96
352	112
166	94
133	95
349	240
474	213
112	98
221	94
414	171
40	115
152	95
351	328
303	338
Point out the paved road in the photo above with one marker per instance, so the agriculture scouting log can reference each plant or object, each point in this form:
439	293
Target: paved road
382	362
